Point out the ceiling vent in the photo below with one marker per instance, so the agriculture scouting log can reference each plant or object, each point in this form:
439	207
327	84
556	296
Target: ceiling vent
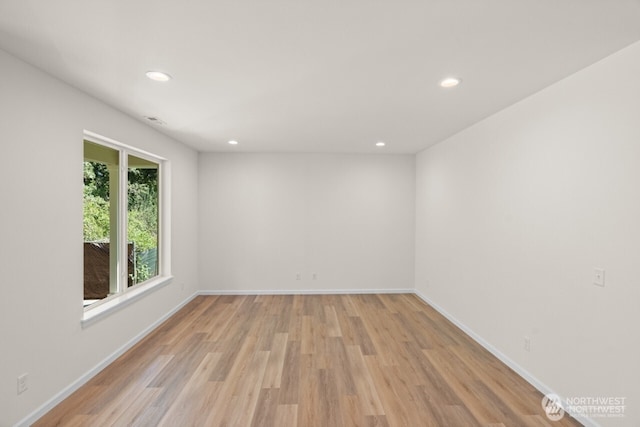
155	120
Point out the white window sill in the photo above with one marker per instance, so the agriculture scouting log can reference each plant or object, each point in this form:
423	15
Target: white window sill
99	310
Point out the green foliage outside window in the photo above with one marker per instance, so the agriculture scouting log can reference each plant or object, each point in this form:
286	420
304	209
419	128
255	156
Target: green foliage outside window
142	217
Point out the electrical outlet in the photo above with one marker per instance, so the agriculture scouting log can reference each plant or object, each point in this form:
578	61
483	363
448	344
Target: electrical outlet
527	344
314	276
598	277
23	385
298	276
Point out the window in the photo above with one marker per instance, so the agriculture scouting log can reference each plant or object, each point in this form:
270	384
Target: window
123	235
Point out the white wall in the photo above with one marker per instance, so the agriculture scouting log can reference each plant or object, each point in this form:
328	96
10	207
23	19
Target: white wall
266	217
514	213
41	132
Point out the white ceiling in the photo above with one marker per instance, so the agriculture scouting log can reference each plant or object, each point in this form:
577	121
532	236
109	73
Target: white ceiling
312	75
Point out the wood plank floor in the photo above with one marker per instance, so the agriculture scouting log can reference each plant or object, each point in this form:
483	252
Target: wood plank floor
312	360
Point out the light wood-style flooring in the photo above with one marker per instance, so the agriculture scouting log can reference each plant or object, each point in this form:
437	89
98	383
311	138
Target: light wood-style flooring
305	360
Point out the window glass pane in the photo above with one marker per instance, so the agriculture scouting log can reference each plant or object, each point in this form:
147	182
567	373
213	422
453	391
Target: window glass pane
100	228
142	219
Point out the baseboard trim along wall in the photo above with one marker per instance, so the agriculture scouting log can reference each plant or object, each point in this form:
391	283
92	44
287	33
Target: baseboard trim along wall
305	291
66	392
539	385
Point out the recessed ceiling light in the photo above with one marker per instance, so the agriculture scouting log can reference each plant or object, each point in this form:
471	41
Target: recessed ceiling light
233	142
380	144
158	76
450	82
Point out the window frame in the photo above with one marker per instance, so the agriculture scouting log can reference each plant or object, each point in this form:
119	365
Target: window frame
127	295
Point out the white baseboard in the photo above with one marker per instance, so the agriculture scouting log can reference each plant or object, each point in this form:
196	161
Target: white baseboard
67	391
303	291
539	385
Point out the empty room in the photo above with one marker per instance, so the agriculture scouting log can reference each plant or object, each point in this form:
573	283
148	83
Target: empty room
315	213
